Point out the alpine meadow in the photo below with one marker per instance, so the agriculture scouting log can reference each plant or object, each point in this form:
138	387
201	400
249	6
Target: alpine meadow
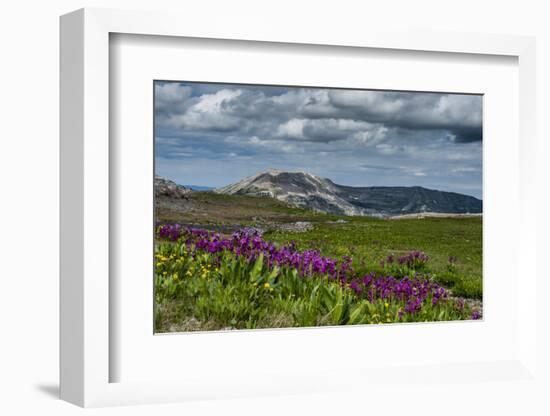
280	207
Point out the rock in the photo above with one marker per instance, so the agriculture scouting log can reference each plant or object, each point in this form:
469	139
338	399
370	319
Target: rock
296	227
302	189
166	187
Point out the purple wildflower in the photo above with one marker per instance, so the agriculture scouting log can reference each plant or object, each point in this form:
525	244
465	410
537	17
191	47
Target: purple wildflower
249	244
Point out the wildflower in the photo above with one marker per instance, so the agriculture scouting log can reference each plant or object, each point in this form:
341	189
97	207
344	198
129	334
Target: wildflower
355	286
202	251
400	313
476	315
413	305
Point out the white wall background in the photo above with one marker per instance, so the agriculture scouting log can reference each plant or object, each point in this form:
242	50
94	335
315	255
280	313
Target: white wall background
29	186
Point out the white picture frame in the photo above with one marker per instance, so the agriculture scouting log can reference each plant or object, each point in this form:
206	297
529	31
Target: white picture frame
85	353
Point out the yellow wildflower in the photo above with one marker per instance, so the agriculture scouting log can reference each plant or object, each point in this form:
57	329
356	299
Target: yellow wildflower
266	285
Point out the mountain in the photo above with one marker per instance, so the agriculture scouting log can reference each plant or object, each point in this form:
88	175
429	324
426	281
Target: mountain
321	194
168	188
199	187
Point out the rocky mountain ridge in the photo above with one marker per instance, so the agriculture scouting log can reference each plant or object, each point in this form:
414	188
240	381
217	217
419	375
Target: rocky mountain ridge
168	188
305	190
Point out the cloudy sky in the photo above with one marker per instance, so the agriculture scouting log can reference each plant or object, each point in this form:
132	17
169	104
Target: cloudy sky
217	134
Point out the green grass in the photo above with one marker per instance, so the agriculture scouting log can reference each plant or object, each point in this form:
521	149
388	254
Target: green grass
368	240
212	208
200	293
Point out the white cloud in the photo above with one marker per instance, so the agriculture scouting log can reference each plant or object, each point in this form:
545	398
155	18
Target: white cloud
387	149
425	138
208	112
171	97
465	169
293	129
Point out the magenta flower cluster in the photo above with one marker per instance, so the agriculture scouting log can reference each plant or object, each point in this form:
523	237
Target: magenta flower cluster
413	291
414	260
476	315
248	243
170	231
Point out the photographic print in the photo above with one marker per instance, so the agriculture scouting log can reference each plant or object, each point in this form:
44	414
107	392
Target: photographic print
290	206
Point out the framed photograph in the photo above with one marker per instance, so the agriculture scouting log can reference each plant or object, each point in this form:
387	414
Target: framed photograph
246	215
263	235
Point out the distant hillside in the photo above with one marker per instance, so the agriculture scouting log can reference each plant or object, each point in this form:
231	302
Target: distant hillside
305	190
199	187
168	188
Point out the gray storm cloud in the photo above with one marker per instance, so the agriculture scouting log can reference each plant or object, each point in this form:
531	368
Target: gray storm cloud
413	138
